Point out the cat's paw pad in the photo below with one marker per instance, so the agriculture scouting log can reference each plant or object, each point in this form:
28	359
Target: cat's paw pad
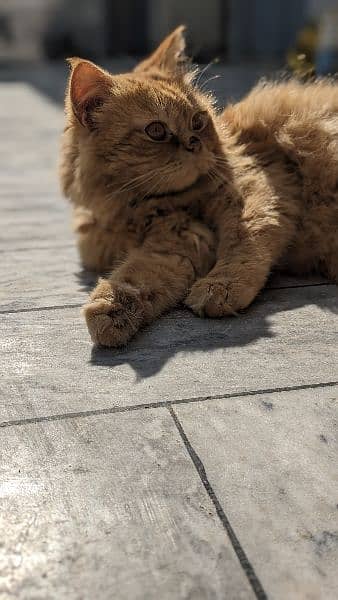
213	298
113	318
209	299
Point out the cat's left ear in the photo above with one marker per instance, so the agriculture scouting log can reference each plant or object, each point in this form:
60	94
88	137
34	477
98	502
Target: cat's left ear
89	87
169	57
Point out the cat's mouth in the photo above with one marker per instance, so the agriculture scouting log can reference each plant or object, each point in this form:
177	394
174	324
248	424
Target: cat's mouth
178	179
186	173
176	190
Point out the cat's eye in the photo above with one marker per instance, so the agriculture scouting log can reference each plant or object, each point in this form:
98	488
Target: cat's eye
156	131
199	121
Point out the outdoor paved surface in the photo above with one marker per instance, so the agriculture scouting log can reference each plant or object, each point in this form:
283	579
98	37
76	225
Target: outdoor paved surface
200	463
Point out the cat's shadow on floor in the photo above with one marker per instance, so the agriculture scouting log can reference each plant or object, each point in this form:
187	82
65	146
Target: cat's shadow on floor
272	315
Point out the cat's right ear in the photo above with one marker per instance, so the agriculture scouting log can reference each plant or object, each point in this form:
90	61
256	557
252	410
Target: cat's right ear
88	88
169	57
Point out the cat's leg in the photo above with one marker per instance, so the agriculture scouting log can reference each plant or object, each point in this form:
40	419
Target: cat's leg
330	258
332	267
152	279
328	242
99	248
315	247
142	288
250	243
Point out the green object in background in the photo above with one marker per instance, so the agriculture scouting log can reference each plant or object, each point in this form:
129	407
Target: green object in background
316	48
301	58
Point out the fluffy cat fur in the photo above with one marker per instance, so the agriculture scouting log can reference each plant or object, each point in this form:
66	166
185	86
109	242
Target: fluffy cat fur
204	213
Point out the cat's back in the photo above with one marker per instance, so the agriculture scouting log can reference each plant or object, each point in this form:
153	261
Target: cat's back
272	106
300	120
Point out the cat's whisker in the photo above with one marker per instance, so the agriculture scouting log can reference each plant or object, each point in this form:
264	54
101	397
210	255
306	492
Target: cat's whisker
137	182
202	88
135	185
212	176
146	180
219	164
221	169
215	177
201	73
111	186
158	185
221	161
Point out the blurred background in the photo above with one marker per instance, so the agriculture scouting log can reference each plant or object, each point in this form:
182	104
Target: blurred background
251	36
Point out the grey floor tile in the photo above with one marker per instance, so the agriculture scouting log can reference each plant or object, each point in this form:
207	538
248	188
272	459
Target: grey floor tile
272	461
33	216
47	271
49	366
284	280
17	99
110	507
16	202
32	211
42	277
39	230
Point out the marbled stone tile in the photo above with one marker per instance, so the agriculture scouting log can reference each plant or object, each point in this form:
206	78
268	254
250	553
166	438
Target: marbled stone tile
272	461
110	507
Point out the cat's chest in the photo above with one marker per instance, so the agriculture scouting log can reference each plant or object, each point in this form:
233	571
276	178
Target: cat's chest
134	218
143	218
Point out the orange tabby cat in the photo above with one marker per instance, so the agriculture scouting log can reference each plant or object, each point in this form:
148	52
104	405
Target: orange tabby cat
180	202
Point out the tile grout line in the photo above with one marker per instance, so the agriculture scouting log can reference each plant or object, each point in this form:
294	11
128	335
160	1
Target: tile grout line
240	553
39	308
12	251
64	306
161	404
298	286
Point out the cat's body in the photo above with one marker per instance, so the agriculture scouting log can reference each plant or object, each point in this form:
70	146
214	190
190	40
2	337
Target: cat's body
205	212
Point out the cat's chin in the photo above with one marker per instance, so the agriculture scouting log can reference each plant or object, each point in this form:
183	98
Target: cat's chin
179	188
188	177
182	181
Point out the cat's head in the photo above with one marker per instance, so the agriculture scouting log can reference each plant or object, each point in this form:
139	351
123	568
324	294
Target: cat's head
150	130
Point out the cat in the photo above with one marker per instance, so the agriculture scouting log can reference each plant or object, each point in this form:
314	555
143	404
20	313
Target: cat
181	202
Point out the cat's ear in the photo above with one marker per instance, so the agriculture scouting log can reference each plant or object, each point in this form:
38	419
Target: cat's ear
169	56
89	87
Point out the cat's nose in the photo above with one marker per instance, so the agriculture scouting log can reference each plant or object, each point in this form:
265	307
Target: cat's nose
193	144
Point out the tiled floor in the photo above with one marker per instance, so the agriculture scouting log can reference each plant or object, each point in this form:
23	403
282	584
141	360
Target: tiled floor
199	463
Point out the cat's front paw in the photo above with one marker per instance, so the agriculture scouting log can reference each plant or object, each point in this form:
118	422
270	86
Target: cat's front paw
210	297
114	314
